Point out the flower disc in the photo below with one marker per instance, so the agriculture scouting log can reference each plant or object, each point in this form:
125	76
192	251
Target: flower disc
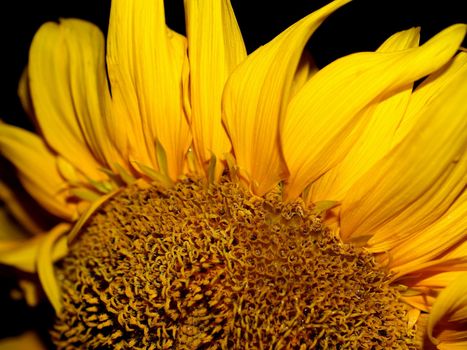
213	267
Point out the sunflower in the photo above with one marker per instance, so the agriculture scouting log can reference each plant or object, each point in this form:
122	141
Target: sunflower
180	193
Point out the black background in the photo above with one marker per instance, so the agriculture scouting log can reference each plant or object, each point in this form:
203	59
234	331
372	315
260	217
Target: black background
359	26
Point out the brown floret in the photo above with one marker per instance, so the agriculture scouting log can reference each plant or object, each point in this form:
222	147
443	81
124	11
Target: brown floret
212	267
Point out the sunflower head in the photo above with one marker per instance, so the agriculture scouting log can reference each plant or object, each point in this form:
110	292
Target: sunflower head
195	266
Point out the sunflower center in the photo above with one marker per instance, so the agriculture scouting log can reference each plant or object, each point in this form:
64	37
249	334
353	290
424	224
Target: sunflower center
212	267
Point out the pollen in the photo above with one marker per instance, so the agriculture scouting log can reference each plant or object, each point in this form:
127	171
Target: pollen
201	266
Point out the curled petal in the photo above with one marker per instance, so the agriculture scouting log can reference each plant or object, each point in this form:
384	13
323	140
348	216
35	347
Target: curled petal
255	99
384	116
52	247
323	120
417	181
442	236
20	250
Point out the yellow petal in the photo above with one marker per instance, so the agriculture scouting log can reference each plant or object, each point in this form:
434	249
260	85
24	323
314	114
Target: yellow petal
68	171
17	248
321	119
428	90
215	48
146	66
20	254
37	169
417	181
52	87
429	278
384	116
255	98
425	286
444	234
412	317
451	261
51	248
462	345
450	310
85	46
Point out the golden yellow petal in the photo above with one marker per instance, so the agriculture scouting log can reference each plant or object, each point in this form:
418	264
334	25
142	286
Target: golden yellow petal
215	48
401	40
439	272
321	119
53	90
85	47
37	169
456	338
427	279
438	238
428	90
17	248
51	248
450	310
425	286
125	125
68	171
255	98
462	345
425	210
147	75
412	317
20	254
384	116
417	181
457	252
419	301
